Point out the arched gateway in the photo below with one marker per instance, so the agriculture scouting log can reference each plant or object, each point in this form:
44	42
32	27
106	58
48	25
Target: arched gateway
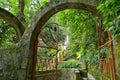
40	19
13	21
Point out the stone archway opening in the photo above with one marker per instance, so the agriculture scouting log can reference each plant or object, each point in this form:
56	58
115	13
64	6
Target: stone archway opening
9	22
41	18
71	11
12	21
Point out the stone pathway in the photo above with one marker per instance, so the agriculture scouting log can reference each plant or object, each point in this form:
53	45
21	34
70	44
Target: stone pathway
90	77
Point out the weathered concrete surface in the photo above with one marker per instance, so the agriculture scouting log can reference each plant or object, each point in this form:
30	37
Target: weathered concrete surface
10	62
71	74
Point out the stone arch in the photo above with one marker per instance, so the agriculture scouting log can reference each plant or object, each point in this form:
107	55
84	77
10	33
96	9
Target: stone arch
13	21
41	18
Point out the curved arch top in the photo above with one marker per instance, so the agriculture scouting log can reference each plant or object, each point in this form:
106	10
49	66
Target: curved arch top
13	21
55	6
41	18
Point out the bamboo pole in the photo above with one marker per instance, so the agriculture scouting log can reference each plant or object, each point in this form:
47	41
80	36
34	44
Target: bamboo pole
112	56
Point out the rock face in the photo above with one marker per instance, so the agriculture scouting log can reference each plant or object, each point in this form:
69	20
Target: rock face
16	62
72	74
10	62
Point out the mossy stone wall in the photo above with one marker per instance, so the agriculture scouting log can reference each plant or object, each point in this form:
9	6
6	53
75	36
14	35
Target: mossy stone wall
10	62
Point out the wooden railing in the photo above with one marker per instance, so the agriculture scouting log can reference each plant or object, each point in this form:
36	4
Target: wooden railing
48	64
45	64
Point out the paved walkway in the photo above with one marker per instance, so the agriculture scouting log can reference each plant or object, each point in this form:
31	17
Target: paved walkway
90	77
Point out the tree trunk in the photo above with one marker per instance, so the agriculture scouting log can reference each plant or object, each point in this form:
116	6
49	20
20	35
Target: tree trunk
21	6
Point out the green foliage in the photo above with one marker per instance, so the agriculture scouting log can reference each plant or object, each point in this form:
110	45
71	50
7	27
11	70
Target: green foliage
111	13
90	54
70	64
51	34
47	53
79	25
7	34
81	33
32	6
11	5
